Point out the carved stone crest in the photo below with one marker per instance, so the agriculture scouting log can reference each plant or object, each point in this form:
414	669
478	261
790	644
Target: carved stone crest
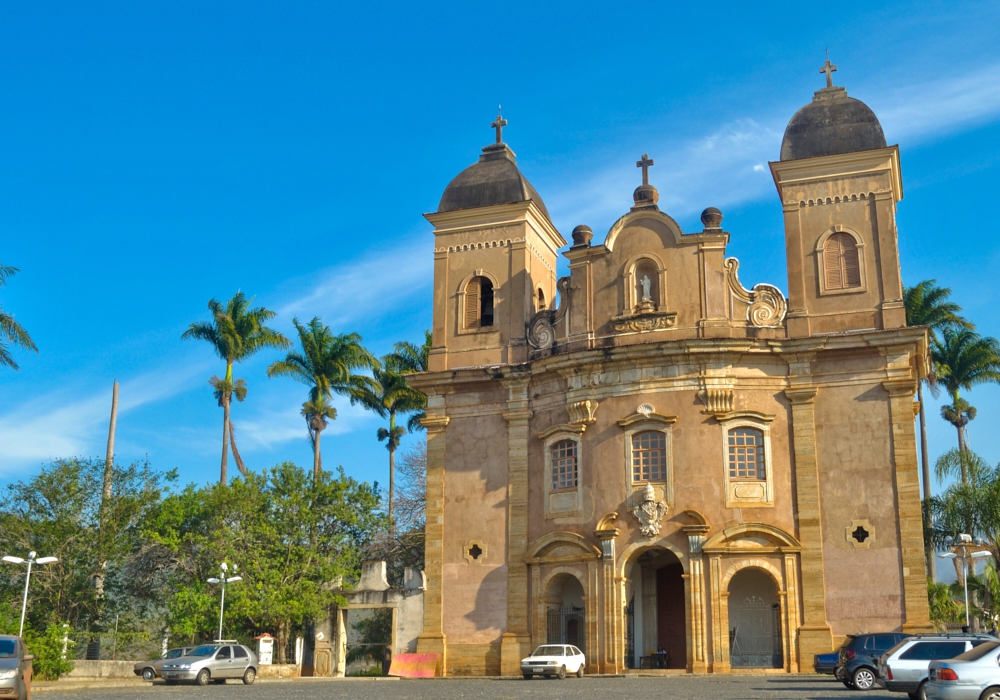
640	323
649	512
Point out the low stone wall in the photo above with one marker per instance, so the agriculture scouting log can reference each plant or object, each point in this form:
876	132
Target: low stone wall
278	671
100	669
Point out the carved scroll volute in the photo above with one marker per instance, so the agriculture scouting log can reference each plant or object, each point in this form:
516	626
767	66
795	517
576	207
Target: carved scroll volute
582	412
766	304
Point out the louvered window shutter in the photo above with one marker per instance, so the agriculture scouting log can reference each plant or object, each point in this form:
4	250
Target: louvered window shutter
472	304
831	262
852	265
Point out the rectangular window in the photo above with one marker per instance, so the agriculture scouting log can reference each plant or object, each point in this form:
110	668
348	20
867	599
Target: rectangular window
564	467
746	454
649	456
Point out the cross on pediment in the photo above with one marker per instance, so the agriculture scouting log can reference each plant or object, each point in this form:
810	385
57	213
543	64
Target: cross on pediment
499	123
645	163
828	68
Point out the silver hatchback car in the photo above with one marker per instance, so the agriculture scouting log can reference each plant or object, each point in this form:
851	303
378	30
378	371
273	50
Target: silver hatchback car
974	675
213	663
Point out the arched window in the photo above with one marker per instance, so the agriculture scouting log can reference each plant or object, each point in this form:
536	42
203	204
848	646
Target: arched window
479	303
564	465
841	262
649	456
746	454
540	300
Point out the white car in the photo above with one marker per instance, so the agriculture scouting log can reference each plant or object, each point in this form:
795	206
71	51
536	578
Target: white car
554	660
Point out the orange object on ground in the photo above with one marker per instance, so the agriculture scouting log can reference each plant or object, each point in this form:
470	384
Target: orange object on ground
415	665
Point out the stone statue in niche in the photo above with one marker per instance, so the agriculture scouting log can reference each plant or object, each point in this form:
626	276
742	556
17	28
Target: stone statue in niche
649	512
645	282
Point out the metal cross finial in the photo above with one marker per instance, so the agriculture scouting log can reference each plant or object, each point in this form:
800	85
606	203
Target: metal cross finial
645	163
828	69
499	123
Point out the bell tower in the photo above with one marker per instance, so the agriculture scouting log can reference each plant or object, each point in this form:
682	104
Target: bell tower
839	184
495	253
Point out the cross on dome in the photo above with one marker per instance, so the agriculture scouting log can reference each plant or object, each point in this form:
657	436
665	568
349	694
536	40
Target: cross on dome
645	163
499	123
828	68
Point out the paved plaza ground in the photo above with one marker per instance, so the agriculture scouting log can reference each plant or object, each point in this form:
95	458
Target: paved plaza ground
669	687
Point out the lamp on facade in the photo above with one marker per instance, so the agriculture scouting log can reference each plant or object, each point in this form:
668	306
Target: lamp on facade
29	561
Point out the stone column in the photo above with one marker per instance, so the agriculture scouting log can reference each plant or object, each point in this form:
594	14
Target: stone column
610	656
697	647
432	640
815	636
516	641
911	536
720	618
791	613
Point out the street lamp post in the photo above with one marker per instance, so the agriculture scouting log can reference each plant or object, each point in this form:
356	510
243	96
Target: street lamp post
963	543
29	561
224	579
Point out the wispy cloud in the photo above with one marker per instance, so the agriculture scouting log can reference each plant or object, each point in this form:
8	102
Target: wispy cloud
363	288
56	425
728	165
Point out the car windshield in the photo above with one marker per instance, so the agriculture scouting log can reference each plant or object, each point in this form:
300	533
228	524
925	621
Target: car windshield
174	654
8	648
204	650
548	651
976	653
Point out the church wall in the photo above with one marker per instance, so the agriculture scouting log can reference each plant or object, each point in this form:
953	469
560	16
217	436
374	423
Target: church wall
475	510
863	584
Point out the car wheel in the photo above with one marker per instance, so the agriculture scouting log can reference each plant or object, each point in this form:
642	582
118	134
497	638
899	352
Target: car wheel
22	694
148	674
579	671
527	676
203	677
991	693
249	676
562	672
863	678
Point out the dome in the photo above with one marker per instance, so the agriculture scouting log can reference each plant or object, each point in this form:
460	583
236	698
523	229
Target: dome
831	124
495	179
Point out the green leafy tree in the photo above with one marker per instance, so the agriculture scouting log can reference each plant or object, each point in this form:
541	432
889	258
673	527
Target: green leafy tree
927	304
47	647
971	506
328	364
964	359
292	537
389	396
236	332
943	606
57	513
11	332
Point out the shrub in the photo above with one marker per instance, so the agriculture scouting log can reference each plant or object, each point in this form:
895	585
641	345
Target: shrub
47	648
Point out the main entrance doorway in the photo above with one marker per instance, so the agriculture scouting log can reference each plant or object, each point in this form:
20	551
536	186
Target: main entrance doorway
754	621
656	633
565	617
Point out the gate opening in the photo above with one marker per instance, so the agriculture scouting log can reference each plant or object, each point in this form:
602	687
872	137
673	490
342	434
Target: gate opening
754	621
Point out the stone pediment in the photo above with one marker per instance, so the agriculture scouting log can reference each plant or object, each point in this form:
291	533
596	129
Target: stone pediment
561	547
756	536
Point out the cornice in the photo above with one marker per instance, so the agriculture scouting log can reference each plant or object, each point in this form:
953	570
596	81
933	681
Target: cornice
822	168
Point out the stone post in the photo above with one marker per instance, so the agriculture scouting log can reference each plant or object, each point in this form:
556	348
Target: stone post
432	640
516	641
815	636
911	535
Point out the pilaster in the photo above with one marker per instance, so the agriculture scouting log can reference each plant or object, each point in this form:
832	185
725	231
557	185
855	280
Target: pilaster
516	641
911	540
815	636
695	585
432	640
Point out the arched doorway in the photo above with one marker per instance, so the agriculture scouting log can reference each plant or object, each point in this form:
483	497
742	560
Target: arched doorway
566	612
754	620
655	624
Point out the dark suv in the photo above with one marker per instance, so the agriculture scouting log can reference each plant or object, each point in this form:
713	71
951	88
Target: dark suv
857	666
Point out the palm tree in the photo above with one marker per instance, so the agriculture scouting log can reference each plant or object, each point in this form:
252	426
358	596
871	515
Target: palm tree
927	305
236	333
389	396
963	360
327	365
408	358
11	332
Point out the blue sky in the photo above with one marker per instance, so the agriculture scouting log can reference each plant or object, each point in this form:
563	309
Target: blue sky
156	155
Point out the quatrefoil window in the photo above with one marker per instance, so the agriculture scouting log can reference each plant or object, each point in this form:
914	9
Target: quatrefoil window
474	552
860	534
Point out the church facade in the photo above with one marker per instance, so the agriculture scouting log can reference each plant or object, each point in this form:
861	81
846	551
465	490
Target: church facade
649	461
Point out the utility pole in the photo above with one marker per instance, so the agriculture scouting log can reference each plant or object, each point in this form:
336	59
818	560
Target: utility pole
94	646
